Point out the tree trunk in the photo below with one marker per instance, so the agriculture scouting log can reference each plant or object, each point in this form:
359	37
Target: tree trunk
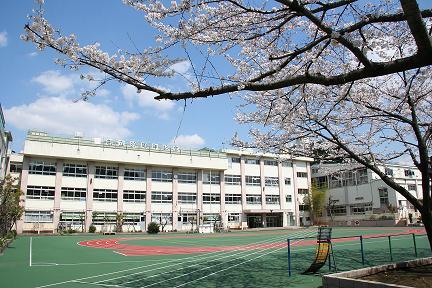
427	222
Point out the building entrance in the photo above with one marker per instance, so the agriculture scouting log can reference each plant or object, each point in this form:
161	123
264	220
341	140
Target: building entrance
255	221
273	221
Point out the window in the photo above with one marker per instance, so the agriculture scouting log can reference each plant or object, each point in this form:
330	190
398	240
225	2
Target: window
40	192
15	167
211	177
134	196
388	172
359	198
187	198
361	209
161	176
161	197
271	181
187	177
412	187
335	181
74	170
42	167
270	162
303	191
362	177
286	164
137	174
106	195
38	216
252	161
72	218
409	173
235	159
233	198
232	179
303	207
211	198
162	218
102	218
383	194
71	193
287	181
272	199
131	218
187	218
234	217
106	172
253	180
288	198
338	210
253	199
210	218
302	174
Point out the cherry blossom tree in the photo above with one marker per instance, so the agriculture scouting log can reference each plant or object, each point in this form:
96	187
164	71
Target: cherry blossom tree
348	77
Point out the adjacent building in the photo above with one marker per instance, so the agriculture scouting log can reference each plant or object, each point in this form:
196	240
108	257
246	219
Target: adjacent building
358	193
81	182
6	138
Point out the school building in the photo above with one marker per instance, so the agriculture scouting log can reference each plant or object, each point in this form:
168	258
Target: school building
80	182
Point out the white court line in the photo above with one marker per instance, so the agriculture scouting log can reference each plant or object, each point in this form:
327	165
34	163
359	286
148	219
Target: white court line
216	272
206	257
243	262
30	257
126	270
204	268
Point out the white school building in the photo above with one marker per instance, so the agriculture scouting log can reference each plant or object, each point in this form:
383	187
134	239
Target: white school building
359	194
78	182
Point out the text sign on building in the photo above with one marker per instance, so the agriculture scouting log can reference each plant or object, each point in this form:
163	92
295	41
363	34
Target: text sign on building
141	145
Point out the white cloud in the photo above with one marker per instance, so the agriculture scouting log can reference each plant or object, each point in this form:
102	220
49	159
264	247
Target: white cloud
32	54
54	82
3	39
181	67
188	141
57	84
62	116
146	99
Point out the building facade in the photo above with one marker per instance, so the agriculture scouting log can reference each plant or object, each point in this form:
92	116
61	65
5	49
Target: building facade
6	138
360	194
81	182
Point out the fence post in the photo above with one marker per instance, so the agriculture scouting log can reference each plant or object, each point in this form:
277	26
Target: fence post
362	250
391	255
415	245
289	257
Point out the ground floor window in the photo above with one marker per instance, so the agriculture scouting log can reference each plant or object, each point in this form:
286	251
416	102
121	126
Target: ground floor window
338	210
103	218
162	218
361	209
131	218
72	218
234	217
38	216
187	218
209	218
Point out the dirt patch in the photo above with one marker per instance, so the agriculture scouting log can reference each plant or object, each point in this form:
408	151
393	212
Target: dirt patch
419	277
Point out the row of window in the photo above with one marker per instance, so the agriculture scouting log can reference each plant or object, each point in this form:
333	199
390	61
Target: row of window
138	174
356	209
110	195
254	161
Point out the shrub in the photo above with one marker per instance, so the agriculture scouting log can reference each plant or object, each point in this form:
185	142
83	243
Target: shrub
92	229
153	228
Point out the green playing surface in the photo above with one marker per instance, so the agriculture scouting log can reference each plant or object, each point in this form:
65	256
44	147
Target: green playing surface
251	259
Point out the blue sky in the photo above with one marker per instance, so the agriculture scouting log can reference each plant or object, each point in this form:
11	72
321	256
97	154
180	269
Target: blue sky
38	94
